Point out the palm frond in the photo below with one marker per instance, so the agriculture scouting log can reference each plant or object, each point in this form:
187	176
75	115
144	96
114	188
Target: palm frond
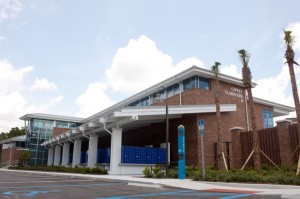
289	39
215	69
244	56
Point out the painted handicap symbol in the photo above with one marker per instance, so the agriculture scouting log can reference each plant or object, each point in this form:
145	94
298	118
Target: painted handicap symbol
27	193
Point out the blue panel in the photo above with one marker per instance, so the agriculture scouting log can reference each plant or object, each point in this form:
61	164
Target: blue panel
103	155
128	154
83	157
143	155
70	158
161	155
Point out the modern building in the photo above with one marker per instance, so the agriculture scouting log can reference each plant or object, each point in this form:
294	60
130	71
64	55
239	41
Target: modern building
131	134
39	127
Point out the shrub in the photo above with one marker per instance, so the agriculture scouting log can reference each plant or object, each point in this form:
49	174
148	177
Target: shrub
158	172
147	172
173	173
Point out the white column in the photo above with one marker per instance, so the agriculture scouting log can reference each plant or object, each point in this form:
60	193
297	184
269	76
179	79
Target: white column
65	155
92	152
115	152
76	152
57	155
50	156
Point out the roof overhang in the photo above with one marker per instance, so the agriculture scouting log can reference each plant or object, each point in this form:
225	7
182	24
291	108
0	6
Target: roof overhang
135	117
194	70
278	109
51	117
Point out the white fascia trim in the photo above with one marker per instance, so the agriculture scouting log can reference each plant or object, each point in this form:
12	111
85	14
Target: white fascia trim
161	110
278	109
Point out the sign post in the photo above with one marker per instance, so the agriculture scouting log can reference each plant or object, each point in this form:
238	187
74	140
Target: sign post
201	131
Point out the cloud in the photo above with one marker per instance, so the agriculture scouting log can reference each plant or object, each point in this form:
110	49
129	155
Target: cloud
2	38
135	67
231	70
11	78
9	9
44	107
276	88
13	103
93	100
43	84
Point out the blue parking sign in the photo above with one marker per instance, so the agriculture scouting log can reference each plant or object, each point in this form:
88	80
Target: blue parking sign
201	126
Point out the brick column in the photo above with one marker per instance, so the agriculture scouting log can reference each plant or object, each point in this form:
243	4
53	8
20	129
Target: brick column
236	156
284	140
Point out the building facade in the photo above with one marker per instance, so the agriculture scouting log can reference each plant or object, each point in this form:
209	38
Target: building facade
39	127
131	135
11	148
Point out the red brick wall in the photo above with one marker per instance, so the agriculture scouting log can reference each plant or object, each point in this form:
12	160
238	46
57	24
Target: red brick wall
57	131
155	134
14	152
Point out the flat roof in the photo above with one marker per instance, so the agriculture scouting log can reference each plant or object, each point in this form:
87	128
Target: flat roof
51	117
21	138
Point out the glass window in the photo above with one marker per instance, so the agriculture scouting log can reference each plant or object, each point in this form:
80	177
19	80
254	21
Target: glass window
176	89
187	84
170	91
203	83
193	82
267	117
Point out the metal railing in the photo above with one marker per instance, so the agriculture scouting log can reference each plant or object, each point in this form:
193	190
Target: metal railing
9	163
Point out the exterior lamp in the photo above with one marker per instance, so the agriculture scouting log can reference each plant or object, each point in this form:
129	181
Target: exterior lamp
167	127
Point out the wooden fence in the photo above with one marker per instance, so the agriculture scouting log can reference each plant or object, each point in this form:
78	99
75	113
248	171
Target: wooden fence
294	142
268	143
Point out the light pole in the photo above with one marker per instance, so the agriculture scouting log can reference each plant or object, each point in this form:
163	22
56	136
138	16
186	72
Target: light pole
167	129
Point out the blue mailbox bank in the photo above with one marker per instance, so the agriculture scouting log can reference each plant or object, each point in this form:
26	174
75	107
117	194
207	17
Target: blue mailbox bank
181	152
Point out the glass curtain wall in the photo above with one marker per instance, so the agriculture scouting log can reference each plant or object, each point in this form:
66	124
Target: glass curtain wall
40	130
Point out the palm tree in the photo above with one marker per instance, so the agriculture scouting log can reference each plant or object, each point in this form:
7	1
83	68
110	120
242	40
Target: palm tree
247	79
289	55
215	71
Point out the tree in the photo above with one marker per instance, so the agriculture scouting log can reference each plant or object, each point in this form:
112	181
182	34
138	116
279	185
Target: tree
289	40
16	131
24	157
247	82
215	71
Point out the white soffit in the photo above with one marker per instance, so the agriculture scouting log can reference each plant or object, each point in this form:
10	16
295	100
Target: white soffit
184	109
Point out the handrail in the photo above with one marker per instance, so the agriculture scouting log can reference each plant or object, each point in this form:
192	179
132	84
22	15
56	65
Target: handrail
9	162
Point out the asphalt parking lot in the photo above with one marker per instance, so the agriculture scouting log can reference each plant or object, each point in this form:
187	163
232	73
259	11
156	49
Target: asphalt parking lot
32	185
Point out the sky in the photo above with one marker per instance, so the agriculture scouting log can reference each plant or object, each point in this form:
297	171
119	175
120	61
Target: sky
76	58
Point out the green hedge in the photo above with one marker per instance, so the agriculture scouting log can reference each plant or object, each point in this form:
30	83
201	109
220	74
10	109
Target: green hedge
269	175
76	169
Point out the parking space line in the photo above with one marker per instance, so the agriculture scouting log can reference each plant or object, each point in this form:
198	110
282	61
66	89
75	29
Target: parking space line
47	181
181	194
66	185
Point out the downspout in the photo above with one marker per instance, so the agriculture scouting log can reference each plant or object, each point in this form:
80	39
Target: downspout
246	107
180	91
83	129
59	143
103	121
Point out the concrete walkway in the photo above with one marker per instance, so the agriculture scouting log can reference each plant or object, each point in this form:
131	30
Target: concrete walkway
286	191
